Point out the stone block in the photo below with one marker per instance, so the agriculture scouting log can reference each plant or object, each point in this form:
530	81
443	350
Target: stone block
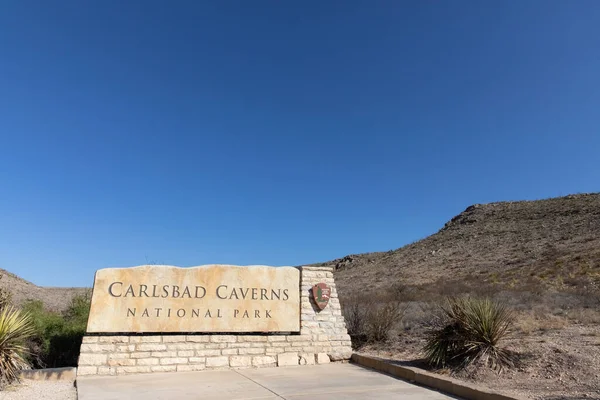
340	354
182	346
163	354
188	368
173	360
301	344
287	359
146	339
240	361
299	338
307	359
239	345
124	348
147	361
215	362
223	339
89	339
174	338
118	356
87	370
322	358
306	268
257	338
151	347
97	348
251	351
140	354
121	362
92	359
113	339
133	370
163	368
197	338
216	345
263	361
205	353
107	371
259	345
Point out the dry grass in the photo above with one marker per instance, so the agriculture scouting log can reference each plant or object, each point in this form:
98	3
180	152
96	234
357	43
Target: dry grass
529	322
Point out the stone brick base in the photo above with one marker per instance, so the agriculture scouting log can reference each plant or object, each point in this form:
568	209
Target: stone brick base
323	338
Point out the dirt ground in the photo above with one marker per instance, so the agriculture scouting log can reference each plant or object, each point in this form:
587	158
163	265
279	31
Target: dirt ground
40	390
555	364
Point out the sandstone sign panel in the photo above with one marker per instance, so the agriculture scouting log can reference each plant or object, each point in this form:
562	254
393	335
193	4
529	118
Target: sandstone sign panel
209	298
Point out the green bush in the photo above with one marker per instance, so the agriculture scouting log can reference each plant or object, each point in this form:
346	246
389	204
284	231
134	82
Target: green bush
469	331
57	337
15	329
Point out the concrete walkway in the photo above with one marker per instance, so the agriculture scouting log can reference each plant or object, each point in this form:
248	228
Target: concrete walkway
339	381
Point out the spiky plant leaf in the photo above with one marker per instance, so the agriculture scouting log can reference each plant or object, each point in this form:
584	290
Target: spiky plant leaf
15	328
470	331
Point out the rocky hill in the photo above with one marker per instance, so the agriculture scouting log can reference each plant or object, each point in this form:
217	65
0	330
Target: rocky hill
541	258
55	299
551	242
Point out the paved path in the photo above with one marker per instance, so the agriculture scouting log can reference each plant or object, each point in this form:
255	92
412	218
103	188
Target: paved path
338	381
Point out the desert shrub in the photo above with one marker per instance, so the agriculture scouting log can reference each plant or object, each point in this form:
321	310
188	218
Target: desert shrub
586	316
381	320
372	319
355	316
57	337
469	331
78	311
417	315
15	329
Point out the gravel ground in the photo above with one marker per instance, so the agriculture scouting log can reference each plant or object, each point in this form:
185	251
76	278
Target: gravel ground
40	390
557	364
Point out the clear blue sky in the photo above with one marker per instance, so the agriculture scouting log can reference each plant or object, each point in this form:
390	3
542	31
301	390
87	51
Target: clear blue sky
275	133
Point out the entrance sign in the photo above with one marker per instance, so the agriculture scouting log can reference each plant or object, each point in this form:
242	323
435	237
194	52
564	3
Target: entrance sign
210	298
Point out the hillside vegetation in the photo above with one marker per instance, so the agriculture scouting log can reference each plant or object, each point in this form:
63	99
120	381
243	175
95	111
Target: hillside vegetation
546	244
53	298
539	258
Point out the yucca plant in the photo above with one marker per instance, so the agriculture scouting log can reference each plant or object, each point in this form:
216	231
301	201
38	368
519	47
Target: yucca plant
15	328
469	331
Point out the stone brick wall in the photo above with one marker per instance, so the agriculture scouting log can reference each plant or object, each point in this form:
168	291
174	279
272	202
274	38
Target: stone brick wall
323	338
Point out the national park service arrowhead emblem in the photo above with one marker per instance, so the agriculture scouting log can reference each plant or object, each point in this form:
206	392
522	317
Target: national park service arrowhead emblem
321	293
